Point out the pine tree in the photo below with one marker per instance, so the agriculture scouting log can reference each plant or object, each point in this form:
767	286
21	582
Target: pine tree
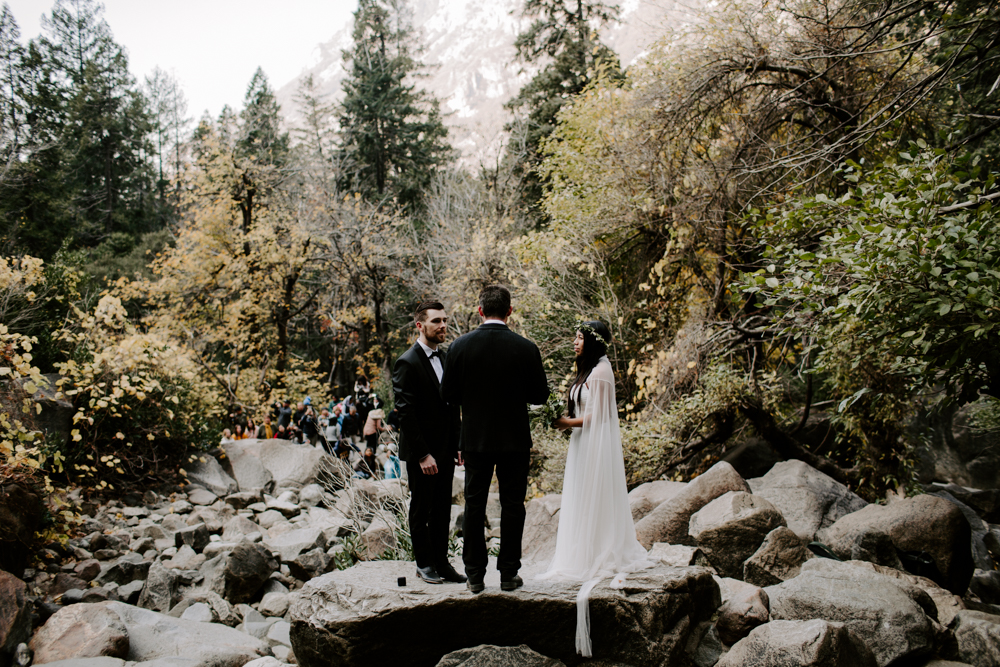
84	173
563	34
261	134
392	136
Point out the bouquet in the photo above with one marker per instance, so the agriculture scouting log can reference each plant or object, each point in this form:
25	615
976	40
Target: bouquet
544	415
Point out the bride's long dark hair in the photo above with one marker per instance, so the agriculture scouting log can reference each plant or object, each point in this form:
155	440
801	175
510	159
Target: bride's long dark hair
596	337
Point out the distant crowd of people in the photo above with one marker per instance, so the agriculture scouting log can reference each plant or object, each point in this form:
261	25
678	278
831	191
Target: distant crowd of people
350	429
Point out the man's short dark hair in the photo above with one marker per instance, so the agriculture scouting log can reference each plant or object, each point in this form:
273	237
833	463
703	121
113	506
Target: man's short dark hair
420	314
495	301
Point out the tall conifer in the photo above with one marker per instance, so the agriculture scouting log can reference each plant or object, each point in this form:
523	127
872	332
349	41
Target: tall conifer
392	136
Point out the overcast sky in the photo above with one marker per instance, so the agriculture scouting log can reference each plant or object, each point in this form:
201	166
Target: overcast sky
212	47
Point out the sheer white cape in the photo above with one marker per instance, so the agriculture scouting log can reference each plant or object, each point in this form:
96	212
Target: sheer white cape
596	537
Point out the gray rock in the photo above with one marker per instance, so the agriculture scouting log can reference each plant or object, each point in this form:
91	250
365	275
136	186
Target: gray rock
541	523
208	473
130	567
246	569
162	590
286	508
704	647
80	631
946	603
199	611
154	636
311	495
741	614
813	643
986	586
279	633
15	613
922	523
980	552
978	637
670	520
283	653
378	537
265	662
808	499
89	662
310	564
342	618
255	463
196	537
497	656
129	593
201	497
731	528
221	611
274	604
293	543
270	518
678	555
778	559
644	498
181	507
238	527
244	499
185	559
892	624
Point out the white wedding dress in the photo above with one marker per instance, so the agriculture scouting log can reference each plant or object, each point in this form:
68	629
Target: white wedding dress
596	537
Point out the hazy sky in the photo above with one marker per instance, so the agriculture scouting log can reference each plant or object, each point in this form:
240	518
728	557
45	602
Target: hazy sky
213	47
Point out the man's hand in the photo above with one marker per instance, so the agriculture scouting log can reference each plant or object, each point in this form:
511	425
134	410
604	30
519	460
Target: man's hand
458	459
428	465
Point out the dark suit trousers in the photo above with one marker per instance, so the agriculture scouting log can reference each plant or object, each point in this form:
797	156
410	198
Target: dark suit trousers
430	512
512	474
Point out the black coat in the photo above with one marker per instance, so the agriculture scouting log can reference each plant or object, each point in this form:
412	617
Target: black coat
427	425
494	374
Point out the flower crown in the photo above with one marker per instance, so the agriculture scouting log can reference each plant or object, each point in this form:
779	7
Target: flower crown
586	328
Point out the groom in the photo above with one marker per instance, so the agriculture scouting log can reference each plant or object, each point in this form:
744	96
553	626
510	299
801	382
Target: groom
493	374
428	443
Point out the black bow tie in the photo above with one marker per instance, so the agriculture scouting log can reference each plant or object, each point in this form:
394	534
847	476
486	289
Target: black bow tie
435	353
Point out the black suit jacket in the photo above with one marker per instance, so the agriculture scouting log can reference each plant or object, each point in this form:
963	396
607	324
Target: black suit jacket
427	424
493	374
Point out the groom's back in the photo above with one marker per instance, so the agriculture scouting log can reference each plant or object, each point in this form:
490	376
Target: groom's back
493	374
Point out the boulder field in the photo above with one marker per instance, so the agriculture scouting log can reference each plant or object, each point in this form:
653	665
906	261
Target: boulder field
242	567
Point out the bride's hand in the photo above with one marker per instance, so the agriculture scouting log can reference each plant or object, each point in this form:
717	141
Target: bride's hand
561	423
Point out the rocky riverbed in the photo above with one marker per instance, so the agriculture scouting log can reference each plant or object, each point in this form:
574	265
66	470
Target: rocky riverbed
241	568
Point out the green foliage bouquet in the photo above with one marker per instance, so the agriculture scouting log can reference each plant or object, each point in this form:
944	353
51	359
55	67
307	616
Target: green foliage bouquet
542	416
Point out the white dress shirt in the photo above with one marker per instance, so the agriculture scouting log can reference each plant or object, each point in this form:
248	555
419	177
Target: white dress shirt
435	360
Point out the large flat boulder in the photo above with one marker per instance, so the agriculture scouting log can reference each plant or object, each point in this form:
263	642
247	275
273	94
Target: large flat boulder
243	463
668	522
920	524
815	643
343	618
808	499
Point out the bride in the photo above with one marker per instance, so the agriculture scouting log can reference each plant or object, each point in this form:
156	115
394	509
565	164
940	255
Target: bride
596	537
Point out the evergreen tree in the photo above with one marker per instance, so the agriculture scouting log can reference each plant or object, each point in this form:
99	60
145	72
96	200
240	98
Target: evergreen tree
564	35
168	108
261	134
392	137
85	172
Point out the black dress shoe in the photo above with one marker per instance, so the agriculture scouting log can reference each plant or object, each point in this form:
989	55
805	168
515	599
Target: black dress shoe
511	584
430	575
475	585
448	573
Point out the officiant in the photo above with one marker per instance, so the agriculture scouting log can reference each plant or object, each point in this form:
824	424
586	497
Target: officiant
428	442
